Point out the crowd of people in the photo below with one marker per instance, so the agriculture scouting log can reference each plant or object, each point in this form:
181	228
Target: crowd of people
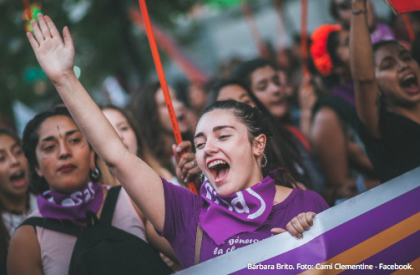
266	147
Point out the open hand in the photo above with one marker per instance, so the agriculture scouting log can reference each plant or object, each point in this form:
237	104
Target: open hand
55	56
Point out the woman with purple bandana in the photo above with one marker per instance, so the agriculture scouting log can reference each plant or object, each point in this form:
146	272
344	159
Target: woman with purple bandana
242	201
64	173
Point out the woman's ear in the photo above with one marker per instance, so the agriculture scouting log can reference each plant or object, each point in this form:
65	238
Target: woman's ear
259	145
38	171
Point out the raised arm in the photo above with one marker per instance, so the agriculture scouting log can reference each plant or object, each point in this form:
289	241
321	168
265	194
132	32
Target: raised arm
363	69
57	59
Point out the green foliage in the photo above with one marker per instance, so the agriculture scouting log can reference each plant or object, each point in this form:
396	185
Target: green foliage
105	40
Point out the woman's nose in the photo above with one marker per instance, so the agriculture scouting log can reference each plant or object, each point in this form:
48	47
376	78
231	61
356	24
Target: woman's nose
64	150
210	148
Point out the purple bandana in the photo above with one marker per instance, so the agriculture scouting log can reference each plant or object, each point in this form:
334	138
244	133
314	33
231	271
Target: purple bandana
382	33
71	206
245	211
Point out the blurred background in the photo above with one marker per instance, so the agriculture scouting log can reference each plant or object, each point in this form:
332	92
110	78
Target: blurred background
199	40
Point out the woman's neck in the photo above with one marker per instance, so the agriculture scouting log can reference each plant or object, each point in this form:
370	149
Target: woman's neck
412	113
14	203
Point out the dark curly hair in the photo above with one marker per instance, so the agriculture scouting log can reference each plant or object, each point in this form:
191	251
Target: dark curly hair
256	124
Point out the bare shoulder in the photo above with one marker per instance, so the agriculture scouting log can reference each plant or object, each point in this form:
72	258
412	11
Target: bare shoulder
326	124
325	115
24	255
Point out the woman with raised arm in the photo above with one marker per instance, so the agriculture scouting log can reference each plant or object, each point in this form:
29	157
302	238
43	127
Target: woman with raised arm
239	205
386	71
64	174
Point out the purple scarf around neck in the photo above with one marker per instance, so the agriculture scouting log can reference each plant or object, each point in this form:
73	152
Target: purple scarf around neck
245	211
71	206
346	92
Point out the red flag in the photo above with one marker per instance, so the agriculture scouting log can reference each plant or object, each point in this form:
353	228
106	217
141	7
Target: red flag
402	6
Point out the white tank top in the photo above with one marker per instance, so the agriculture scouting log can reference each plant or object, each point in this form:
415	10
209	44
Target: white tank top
57	248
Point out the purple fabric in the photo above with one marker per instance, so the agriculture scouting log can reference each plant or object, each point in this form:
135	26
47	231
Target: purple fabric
390	255
351	233
346	92
71	206
182	210
382	32
244	211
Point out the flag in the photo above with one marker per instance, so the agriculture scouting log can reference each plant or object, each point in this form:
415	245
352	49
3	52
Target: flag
402	6
377	232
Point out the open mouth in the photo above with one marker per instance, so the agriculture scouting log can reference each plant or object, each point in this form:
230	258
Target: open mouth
219	169
18	179
410	84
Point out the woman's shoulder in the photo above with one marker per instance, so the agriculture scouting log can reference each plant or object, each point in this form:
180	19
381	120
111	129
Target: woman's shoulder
310	200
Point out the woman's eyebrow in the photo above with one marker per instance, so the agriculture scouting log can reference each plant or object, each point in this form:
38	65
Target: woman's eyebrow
218	128
215	129
50	138
388	58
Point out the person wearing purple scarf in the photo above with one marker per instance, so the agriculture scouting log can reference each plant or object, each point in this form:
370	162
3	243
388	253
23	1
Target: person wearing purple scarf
243	200
64	174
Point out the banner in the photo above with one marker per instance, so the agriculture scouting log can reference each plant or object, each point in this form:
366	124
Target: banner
377	232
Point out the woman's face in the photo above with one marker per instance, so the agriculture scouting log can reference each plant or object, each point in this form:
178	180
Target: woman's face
196	96
397	75
265	85
343	50
63	154
343	8
224	152
123	128
14	175
179	108
235	92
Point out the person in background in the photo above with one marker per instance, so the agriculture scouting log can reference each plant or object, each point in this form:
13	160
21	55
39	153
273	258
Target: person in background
262	79
340	10
16	202
231	142
196	96
334	127
124	125
415	50
387	87
65	176
151	114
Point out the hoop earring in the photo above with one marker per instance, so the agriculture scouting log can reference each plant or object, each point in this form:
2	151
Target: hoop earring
95	175
265	161
202	178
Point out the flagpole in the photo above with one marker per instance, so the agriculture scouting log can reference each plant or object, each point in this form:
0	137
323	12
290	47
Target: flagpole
162	78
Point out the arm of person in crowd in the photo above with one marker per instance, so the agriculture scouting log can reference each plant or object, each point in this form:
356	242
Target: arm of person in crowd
24	255
363	69
307	100
330	144
298	225
186	171
57	60
160	243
